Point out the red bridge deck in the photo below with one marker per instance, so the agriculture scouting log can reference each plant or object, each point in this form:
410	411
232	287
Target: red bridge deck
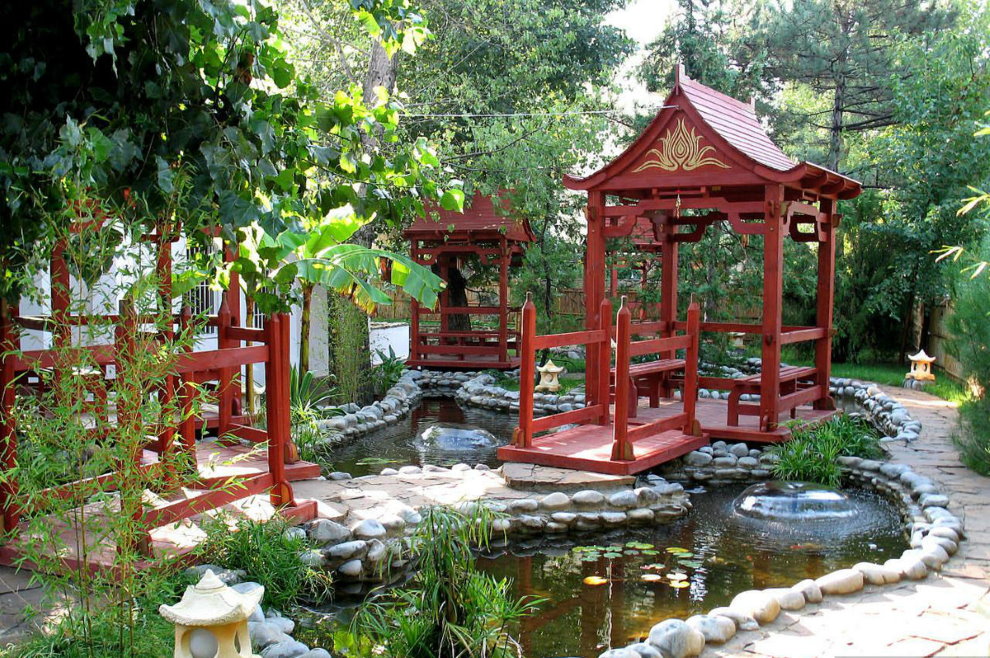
589	447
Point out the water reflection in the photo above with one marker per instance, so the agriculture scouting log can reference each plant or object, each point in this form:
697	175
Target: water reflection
584	620
399	444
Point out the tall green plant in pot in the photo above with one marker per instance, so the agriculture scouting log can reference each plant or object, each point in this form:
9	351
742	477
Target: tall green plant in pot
448	609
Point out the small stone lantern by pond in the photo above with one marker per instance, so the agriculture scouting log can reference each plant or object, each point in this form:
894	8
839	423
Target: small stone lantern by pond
548	377
921	370
211	620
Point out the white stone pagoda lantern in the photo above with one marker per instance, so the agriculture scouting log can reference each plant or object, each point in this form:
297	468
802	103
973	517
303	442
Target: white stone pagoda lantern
921	368
211	620
548	377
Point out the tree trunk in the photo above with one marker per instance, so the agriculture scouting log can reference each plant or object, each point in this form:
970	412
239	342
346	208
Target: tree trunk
457	294
305	322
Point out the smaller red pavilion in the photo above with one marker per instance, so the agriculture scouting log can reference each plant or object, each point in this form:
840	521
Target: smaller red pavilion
464	333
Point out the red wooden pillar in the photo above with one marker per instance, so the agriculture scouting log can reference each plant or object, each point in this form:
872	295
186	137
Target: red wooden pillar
621	448
8	433
277	405
444	260
773	283
825	303
187	391
605	359
523	436
225	396
503	301
594	291
689	395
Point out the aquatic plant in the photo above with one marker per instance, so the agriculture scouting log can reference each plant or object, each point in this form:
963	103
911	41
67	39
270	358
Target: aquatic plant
811	454
449	609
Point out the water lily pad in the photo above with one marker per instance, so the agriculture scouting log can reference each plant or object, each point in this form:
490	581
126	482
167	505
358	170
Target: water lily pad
677	575
611	556
639	545
676	549
650	552
690	564
595	580
656	566
680	584
651	577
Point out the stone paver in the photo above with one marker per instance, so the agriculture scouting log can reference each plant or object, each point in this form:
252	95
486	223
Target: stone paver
948	614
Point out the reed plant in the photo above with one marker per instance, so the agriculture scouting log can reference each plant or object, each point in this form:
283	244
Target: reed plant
811	453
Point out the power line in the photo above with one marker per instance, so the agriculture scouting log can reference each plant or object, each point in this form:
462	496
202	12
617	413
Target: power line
526	114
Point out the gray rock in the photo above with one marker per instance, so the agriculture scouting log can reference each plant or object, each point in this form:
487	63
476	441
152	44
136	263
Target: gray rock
555	501
348	549
947	533
522	505
747	462
316	653
264	634
641	515
739	450
716	629
339	475
646	495
727	461
410	470
810	590
284	624
619	653
285	649
369	529
742	621
876	574
563	517
325	531
787	598
613	518
389	471
588	498
912	569
843	581
644	650
675	639
449	437
312	558
758	604
626	499
697	459
934	500
227	576
351	568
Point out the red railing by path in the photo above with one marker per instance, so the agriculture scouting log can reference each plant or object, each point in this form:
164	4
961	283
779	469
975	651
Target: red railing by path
530	344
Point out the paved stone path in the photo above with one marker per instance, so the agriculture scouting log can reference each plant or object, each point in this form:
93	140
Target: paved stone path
947	614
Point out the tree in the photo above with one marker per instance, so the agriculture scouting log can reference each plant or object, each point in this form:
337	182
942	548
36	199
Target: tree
140	93
843	50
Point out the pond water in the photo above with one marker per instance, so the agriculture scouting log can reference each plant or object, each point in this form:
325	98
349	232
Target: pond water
399	444
607	590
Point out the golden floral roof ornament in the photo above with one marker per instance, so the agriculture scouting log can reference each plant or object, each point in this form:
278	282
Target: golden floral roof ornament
680	148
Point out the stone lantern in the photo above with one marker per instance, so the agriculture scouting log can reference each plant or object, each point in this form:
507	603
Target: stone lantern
211	620
548	377
921	370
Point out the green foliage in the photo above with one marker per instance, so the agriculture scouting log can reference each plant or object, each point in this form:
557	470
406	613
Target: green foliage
349	350
270	556
811	453
386	373
306	394
970	327
448	609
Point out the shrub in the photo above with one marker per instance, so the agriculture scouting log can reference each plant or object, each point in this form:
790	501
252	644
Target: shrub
268	554
811	453
970	327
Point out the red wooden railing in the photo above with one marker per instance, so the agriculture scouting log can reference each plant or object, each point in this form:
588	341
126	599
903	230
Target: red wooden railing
625	349
599	413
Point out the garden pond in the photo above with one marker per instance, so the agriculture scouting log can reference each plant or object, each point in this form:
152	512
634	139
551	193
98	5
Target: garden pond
606	590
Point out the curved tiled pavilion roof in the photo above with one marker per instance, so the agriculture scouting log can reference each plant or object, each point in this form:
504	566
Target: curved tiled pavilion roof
480	221
701	136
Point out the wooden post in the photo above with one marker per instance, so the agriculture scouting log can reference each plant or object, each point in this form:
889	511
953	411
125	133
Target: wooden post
523	436
689	396
8	433
773	278
503	303
605	360
277	406
187	389
225	394
594	291
621	448
825	303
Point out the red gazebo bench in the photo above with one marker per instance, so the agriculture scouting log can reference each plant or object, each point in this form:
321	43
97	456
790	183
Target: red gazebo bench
791	395
648	377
